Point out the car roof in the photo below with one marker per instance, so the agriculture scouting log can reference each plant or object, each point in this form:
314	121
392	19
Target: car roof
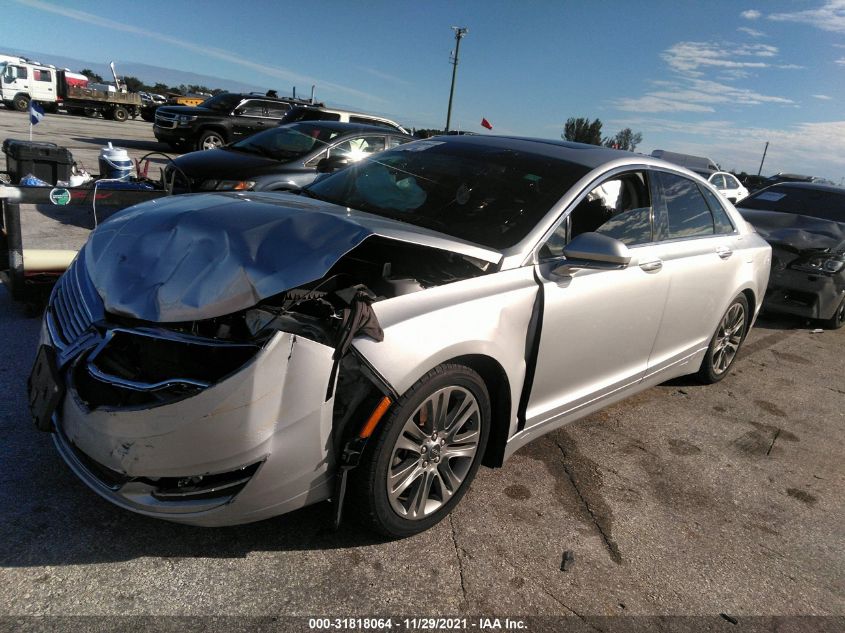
590	156
349	127
814	186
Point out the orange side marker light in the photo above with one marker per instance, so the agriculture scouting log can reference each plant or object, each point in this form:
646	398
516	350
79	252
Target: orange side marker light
375	417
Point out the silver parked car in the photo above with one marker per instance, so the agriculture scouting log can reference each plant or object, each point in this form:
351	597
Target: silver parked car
221	358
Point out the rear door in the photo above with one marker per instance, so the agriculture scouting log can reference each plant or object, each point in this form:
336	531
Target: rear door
598	326
699	258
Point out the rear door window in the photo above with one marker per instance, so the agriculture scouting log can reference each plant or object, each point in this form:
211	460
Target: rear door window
688	213
721	221
252	108
277	110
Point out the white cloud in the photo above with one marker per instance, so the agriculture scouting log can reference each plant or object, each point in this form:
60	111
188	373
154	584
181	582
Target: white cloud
692	58
752	32
817	148
823	97
218	53
840	61
692	92
751	14
828	17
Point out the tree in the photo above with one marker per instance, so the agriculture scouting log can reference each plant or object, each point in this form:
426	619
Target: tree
92	76
625	139
582	130
133	84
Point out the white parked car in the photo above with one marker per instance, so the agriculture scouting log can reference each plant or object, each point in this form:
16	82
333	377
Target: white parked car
221	358
728	186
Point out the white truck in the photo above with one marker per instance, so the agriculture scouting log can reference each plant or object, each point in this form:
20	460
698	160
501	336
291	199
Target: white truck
23	80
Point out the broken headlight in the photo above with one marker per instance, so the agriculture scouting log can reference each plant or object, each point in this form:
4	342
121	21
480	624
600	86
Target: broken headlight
829	263
146	366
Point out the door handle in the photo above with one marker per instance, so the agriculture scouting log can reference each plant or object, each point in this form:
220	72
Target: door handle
652	265
724	252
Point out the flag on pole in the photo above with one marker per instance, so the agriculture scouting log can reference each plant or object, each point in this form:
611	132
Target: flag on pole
36	113
486	123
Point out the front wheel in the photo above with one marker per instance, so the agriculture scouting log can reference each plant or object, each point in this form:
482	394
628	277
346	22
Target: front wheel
838	319
425	453
210	140
21	102
725	344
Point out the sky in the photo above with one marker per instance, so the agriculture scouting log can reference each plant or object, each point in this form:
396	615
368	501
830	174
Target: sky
718	79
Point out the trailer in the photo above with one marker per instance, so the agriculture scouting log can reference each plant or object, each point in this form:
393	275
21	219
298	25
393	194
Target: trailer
56	88
43	228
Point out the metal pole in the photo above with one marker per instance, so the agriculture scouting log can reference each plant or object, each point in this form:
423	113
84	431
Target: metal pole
764	158
460	31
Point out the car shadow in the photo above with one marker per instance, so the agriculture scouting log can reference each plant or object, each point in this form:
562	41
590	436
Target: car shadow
51	518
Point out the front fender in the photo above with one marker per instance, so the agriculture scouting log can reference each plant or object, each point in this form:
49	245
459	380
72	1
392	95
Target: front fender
485	316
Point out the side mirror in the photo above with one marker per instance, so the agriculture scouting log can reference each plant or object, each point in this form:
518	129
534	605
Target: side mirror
594	250
332	163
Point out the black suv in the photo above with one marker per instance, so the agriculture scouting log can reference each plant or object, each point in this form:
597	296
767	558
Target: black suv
220	119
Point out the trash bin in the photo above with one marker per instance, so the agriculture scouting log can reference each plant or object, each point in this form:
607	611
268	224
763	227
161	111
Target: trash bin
46	161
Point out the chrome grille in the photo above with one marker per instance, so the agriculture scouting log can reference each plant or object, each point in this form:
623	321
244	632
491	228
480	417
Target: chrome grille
165	120
74	306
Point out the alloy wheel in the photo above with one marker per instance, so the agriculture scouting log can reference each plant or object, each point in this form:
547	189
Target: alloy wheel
728	338
434	452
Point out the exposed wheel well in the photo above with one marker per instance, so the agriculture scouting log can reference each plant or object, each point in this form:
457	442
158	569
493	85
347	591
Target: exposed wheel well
498	387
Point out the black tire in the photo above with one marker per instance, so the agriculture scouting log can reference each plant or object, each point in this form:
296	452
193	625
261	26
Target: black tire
119	114
211	139
726	341
434	477
91	113
838	319
149	117
21	102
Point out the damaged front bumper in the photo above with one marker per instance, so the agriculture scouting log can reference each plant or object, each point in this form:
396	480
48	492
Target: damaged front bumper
254	445
808	295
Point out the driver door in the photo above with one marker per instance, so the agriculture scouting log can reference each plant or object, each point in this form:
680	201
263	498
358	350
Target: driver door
598	325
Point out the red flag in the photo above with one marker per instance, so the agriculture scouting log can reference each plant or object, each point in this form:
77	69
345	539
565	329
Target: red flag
486	123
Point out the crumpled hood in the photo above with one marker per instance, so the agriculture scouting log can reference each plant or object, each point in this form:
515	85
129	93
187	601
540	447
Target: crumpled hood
193	257
801	232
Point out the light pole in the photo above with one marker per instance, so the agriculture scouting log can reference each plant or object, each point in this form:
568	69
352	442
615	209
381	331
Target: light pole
460	31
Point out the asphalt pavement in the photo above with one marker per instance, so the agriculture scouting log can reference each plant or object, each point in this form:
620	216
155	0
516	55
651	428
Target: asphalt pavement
685	500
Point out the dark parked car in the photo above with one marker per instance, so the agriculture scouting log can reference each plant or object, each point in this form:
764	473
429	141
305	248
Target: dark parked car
219	120
283	158
805	224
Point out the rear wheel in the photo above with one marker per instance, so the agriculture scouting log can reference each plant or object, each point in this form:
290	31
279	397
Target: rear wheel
425	453
838	319
119	114
725	344
21	102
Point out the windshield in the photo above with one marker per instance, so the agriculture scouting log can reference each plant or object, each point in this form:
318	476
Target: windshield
288	141
224	102
818	203
488	195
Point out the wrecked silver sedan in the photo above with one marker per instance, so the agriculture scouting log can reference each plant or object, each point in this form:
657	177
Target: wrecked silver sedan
222	358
